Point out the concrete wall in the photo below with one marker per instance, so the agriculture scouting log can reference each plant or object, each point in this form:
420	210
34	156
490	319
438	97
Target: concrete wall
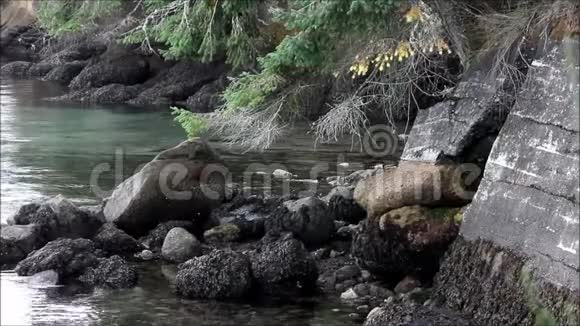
524	218
528	199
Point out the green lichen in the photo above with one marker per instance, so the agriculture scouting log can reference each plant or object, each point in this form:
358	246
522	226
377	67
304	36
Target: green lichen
443	214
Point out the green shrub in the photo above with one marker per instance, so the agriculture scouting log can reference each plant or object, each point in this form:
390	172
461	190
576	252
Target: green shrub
194	124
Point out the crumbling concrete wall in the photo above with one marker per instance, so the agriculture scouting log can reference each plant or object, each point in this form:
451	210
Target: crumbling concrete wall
524	217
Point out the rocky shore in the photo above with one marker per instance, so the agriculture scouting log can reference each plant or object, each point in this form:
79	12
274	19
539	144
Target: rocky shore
477	225
97	69
232	247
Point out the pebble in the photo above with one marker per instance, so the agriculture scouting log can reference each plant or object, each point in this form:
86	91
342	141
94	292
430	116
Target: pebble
282	174
407	285
349	295
146	255
321	253
366	275
334	254
364	309
354	315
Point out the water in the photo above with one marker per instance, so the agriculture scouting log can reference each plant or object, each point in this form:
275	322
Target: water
49	149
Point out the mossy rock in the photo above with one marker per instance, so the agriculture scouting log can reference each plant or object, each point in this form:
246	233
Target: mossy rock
222	233
409	215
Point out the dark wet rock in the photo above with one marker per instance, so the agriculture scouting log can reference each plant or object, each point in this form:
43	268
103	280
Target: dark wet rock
222	233
326	281
321	253
114	241
419	295
180	245
346	232
116	66
113	273
364	309
343	207
248	214
67	257
154	195
39	70
96	211
207	98
16	69
222	274
65	73
179	82
284	267
379	291
45	278
58	217
406	314
407	285
24	212
488	282
17	241
76	52
415	183
405	241
347	272
362	289
348	283
19	37
308	219
154	240
112	93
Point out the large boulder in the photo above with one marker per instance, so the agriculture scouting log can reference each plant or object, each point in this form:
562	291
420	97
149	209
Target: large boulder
405	241
114	241
222	274
207	98
179	82
182	183
63	74
308	219
112	93
415	183
284	267
39	70
343	206
113	273
68	257
116	66
80	51
246	214
17	241
17	69
58	217
180	246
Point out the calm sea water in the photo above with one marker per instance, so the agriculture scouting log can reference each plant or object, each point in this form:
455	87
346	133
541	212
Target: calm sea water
49	149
